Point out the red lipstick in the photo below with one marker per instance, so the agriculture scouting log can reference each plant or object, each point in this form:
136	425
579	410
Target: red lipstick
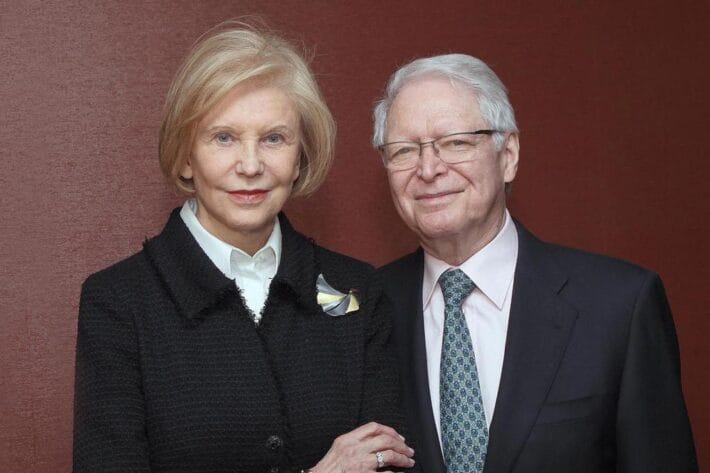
249	196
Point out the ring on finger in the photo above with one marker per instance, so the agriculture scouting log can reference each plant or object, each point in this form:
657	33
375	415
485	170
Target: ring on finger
380	459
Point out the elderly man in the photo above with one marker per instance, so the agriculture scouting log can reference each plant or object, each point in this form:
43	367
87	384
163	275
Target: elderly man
516	355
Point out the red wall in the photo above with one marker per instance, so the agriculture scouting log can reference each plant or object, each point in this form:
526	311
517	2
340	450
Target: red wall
612	100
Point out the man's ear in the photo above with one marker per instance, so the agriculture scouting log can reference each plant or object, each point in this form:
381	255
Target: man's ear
509	157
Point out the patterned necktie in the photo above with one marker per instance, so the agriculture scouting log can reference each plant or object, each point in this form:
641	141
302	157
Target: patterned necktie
464	433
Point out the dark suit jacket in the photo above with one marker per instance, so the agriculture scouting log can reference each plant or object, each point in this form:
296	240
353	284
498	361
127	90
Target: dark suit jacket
591	377
173	375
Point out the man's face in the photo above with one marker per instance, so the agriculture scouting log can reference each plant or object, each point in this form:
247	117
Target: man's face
448	202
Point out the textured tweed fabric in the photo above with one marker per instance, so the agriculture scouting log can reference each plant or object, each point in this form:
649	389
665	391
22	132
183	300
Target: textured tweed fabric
172	374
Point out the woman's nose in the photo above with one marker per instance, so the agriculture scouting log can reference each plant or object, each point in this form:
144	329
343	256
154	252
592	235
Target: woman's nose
249	162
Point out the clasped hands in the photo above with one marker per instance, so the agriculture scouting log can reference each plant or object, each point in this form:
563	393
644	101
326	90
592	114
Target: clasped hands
368	448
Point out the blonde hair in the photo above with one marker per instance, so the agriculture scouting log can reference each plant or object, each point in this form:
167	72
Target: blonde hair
229	55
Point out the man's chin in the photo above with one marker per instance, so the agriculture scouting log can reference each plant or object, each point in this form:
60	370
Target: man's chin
437	230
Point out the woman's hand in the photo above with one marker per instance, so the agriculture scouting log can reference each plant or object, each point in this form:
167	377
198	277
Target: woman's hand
359	449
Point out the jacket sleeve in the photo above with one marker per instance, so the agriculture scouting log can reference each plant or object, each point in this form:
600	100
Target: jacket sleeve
653	430
381	402
380	390
109	429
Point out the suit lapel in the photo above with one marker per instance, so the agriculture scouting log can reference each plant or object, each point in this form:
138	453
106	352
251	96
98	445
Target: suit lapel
406	290
539	328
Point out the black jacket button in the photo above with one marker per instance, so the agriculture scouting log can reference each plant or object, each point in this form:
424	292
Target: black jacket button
274	443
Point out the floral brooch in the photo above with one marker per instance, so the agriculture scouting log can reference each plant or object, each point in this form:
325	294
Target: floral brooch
334	302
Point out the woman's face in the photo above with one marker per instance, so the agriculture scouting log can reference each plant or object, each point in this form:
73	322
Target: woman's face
244	161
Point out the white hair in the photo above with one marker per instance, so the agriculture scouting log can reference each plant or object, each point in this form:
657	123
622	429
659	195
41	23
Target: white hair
463	69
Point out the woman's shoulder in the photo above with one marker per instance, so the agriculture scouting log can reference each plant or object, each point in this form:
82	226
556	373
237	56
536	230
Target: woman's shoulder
122	275
326	261
342	262
161	255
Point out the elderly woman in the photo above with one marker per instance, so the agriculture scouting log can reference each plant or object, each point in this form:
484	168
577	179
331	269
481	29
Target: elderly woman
231	342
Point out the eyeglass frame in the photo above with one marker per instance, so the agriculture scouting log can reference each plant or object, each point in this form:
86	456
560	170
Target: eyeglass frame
421	144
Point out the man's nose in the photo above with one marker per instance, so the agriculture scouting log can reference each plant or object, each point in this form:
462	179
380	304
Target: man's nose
423	146
429	165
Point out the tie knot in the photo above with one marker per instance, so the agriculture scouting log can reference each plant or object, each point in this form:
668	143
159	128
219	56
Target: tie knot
455	286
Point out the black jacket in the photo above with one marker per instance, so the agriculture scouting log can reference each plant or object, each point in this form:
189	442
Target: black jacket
173	375
591	371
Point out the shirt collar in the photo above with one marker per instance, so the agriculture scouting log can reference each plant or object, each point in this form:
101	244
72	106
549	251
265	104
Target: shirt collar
492	268
229	258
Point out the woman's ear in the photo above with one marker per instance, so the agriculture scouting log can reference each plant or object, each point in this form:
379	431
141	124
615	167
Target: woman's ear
186	171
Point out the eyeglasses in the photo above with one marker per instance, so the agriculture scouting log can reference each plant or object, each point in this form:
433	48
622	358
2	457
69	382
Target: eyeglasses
451	149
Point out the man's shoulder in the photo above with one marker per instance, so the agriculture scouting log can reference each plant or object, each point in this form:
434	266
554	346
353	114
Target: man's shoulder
581	259
594	270
405	264
403	277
